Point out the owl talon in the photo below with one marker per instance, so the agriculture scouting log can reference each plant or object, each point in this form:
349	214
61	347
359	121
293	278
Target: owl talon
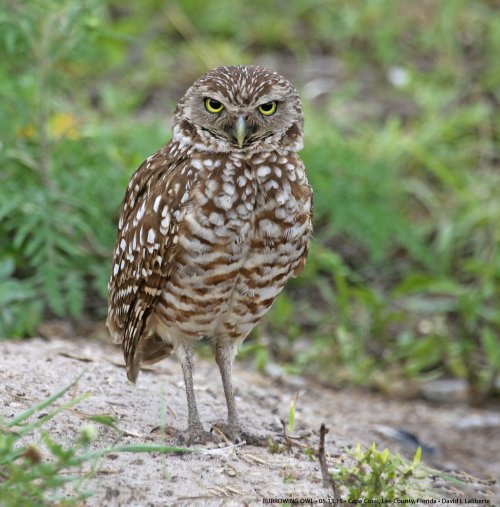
237	435
193	436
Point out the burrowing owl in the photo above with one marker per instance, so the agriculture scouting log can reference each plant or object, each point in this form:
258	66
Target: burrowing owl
212	226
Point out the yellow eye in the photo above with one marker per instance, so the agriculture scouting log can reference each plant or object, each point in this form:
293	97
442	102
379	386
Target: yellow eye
268	109
213	106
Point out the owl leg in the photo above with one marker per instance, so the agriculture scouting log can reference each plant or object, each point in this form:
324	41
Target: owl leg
224	356
195	432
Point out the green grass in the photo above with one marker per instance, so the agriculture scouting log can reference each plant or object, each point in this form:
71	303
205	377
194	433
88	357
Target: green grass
404	273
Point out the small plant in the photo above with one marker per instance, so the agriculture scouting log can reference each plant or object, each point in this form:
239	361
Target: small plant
274	447
378	475
31	471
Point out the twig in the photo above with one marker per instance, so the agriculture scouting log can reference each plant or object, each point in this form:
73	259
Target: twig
221	434
233	490
70	355
289	439
285	435
300	437
327	477
250	458
221	450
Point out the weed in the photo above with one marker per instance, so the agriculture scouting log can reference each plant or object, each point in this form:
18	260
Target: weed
380	475
274	447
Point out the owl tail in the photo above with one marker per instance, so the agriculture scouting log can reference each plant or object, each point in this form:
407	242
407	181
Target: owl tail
150	349
153	349
135	334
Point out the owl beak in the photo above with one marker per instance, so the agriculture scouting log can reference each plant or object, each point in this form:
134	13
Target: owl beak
241	130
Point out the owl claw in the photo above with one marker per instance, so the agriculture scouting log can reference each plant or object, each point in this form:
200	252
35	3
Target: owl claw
193	436
237	435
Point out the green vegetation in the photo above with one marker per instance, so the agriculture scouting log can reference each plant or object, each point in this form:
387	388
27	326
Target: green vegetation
28	477
379	475
35	470
402	133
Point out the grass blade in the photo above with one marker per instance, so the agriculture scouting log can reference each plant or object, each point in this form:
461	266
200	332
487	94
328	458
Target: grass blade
40	406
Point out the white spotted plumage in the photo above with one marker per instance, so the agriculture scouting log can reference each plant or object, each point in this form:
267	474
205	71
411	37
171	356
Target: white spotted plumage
210	229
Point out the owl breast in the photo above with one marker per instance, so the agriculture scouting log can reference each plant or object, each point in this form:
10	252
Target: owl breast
242	235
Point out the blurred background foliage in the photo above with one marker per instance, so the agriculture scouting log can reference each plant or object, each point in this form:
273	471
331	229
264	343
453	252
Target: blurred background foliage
402	138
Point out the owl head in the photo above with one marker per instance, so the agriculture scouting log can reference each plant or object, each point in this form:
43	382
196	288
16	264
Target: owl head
240	108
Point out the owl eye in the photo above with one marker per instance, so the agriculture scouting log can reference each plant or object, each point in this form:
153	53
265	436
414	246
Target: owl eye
213	106
268	108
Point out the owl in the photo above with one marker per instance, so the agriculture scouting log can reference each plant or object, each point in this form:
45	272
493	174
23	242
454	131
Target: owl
211	228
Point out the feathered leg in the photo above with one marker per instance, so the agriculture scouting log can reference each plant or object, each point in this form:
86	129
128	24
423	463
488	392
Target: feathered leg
195	432
224	356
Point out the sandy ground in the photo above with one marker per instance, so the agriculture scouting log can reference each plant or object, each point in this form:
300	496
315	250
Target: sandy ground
457	438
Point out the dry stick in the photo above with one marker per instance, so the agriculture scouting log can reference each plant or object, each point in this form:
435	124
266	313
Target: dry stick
327	477
288	438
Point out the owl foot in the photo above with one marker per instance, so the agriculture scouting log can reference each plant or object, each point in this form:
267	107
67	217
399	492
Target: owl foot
193	436
237	435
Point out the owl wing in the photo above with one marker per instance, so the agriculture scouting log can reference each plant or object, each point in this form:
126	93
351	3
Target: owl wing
146	245
303	192
305	239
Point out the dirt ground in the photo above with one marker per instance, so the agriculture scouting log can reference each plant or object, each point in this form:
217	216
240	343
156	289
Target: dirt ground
456	438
